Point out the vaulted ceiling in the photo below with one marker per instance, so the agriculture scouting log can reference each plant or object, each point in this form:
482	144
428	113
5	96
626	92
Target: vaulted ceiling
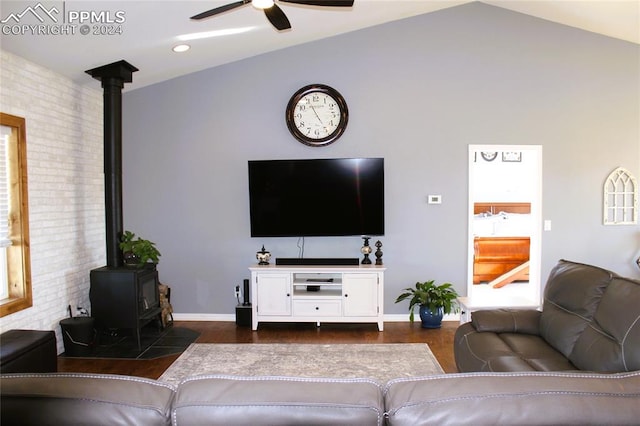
52	33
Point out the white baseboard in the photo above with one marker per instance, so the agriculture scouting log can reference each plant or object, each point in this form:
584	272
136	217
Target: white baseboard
204	317
232	317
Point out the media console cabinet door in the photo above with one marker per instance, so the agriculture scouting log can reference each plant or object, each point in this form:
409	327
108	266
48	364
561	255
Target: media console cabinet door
273	296
360	293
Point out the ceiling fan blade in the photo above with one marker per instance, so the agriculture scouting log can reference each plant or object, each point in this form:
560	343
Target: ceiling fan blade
278	19
334	3
220	9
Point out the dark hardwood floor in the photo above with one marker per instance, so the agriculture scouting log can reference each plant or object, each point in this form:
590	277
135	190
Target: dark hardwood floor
439	340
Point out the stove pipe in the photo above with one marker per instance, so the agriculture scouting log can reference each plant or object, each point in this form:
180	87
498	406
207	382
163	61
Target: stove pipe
113	76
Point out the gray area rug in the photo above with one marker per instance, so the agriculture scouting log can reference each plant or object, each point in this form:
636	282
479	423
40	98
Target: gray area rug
380	362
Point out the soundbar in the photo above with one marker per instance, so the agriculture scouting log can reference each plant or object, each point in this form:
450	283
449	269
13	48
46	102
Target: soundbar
316	261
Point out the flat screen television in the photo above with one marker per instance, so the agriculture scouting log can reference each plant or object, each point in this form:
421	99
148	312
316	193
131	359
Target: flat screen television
318	197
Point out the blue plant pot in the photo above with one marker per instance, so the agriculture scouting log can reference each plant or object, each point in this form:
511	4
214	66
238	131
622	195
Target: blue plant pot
431	319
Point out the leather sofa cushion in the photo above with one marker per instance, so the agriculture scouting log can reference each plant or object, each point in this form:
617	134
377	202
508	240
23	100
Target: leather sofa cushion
507	321
571	298
611	343
507	363
536	352
84	399
473	350
502	352
514	398
233	400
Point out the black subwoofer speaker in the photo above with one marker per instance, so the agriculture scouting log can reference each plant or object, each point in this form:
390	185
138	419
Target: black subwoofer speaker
243	316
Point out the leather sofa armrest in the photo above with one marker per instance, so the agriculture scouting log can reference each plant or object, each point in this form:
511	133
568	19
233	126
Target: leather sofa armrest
84	399
525	321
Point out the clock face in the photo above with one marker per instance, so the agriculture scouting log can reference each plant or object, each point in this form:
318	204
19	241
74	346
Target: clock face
317	115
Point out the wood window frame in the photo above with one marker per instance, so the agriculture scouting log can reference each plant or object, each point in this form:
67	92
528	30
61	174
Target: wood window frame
18	254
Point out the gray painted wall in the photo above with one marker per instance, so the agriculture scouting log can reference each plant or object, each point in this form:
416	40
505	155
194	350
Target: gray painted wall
419	92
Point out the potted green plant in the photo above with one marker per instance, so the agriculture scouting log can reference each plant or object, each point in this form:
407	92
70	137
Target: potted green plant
137	251
434	301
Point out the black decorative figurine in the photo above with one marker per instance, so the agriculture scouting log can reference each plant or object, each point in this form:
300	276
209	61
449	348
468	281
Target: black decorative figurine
378	253
366	250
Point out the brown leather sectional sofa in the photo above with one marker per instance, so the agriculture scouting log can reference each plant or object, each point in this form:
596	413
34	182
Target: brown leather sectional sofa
453	399
590	321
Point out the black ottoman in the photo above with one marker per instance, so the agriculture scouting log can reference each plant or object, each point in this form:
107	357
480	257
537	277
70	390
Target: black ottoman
28	351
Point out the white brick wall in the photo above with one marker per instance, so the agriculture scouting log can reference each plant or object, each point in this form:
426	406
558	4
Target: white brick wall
66	187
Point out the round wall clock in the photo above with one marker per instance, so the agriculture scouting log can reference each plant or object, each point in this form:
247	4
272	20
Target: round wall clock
317	115
489	156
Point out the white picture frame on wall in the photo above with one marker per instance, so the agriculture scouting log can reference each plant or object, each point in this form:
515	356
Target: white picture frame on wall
512	156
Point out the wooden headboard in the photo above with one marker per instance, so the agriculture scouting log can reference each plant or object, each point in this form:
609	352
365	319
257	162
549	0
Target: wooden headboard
494	208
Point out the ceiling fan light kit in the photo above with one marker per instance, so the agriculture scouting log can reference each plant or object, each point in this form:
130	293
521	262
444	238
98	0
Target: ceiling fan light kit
262	4
272	11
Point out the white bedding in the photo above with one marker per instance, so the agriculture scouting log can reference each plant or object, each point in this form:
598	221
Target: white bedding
502	225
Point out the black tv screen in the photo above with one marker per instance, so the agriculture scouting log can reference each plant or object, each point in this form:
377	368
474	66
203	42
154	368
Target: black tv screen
320	197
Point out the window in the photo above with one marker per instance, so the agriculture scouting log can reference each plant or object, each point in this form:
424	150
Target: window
15	263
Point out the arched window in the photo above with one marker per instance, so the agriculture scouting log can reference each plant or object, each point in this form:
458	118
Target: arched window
620	198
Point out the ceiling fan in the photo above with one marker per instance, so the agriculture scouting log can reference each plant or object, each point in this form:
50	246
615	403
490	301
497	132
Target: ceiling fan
274	14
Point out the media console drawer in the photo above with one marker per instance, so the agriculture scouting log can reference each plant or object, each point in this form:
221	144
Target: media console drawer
317	308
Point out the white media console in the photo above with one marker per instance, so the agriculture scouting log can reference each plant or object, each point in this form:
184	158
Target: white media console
317	294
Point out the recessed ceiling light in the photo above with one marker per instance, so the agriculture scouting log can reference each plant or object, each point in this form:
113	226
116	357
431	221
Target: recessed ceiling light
181	48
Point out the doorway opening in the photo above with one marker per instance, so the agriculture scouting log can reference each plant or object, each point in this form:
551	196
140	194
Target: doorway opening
504	219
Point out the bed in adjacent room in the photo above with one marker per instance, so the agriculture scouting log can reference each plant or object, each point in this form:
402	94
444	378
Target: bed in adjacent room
502	235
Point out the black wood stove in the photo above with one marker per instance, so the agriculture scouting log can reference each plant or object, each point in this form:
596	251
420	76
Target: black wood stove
121	297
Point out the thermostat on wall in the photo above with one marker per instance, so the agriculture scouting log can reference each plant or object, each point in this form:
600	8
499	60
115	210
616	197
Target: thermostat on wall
434	199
